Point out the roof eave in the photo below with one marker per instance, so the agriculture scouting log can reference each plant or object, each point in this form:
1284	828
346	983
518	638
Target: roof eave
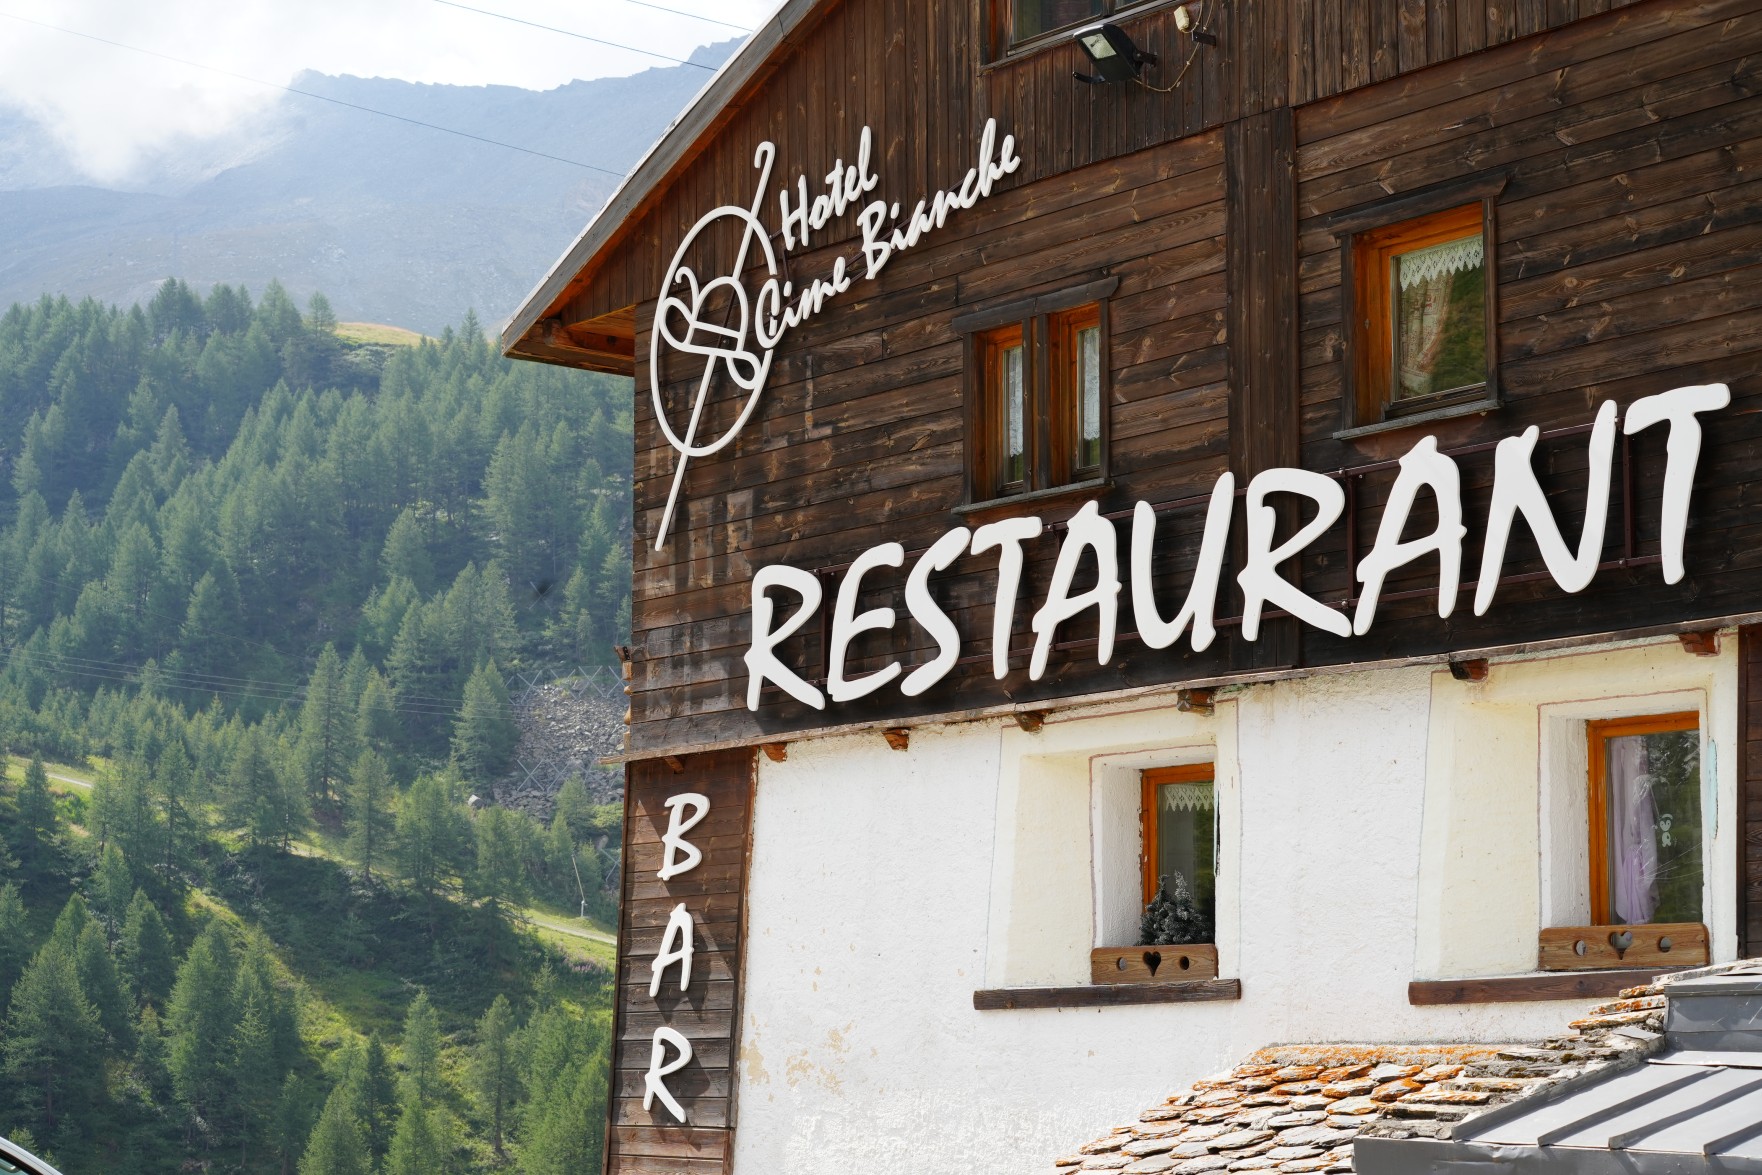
671	152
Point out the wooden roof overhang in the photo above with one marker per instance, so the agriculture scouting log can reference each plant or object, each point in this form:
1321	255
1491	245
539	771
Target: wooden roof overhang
551	325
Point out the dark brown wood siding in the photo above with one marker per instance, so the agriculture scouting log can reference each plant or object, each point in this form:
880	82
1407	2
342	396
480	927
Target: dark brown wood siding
642	1142
1626	252
1626	245
918	74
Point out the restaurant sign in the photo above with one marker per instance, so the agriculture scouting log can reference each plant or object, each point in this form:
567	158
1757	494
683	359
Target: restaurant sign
1089	535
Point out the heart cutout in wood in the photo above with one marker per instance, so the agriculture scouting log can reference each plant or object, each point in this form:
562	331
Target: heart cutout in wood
1621	940
1152	960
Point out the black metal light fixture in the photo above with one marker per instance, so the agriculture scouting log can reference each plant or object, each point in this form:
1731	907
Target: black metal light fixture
1112	54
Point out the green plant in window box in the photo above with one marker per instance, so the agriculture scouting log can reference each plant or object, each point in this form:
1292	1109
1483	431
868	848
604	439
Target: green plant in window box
1172	918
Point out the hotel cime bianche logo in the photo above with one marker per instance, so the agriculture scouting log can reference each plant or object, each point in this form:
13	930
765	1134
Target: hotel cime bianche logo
733	331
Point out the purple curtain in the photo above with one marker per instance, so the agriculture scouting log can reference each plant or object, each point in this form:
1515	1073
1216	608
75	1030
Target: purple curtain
1633	846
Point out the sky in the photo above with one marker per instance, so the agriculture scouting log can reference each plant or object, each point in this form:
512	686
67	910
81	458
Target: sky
110	107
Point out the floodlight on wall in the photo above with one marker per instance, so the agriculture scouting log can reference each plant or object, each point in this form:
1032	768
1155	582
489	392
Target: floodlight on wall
1112	53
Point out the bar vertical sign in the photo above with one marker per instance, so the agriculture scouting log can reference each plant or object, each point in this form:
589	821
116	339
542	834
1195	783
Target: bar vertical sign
687	829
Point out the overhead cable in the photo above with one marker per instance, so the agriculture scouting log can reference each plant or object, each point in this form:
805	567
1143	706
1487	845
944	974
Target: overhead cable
313	94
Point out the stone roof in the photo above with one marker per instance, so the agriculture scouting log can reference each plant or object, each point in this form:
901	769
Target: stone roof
1298	1108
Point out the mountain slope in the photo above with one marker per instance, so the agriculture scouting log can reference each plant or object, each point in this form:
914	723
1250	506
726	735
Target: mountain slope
395	223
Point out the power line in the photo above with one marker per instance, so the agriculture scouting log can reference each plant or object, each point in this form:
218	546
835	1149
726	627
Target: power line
312	94
533	24
693	15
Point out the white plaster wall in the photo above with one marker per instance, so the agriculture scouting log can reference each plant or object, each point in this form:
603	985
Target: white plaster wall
887	886
1504	845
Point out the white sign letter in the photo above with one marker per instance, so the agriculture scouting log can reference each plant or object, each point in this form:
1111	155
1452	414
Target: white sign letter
761	658
673	842
1153	630
1422	466
929	615
1516	490
1007	536
654	1083
1682	451
1259	579
1087	528
846	625
676	947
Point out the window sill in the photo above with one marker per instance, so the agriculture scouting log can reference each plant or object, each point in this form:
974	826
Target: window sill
1106	995
1543	985
1448	412
1076	493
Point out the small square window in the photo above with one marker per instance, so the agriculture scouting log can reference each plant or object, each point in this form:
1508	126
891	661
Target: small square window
1645	820
1040	411
1178	818
1420	335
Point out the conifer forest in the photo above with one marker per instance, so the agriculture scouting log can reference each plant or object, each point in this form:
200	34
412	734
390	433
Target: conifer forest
262	588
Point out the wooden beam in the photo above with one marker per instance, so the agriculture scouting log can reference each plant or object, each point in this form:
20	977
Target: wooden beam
776	752
1700	644
1106	995
1195	701
1517	989
898	737
1031	720
1473	669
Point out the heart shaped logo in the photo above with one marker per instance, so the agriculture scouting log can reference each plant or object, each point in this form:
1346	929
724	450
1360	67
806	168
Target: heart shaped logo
1621	940
1152	960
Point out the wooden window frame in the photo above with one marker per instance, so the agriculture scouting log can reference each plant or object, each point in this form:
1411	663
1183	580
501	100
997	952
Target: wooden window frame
1148	781
1001	21
1368	237
1597	793
1048	326
989	348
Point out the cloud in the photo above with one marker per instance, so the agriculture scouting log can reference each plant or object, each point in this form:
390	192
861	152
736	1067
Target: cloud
110	108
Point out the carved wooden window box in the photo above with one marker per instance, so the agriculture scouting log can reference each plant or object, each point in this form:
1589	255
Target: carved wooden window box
1158	964
1596	948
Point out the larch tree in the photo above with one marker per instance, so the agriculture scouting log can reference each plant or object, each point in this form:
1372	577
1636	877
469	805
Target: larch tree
370	788
494	1073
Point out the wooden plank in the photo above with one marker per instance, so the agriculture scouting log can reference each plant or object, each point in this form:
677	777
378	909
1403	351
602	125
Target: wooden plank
707	1011
1146	964
1514	989
1591	948
1106	995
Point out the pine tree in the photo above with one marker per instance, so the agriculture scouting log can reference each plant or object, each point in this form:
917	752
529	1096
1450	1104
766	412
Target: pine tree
327	723
369	789
52	1037
36	807
428	834
295	1110
485	733
421	1047
416	1147
406	553
13	949
493	1074
112	889
102	986
199	1022
174	778
253	1078
150	1054
337	1145
147	955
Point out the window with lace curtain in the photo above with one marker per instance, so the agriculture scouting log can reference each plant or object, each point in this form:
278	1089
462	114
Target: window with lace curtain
1178	816
1422	319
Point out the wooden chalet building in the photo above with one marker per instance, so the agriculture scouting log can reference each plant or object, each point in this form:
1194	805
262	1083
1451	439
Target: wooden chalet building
1311	457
